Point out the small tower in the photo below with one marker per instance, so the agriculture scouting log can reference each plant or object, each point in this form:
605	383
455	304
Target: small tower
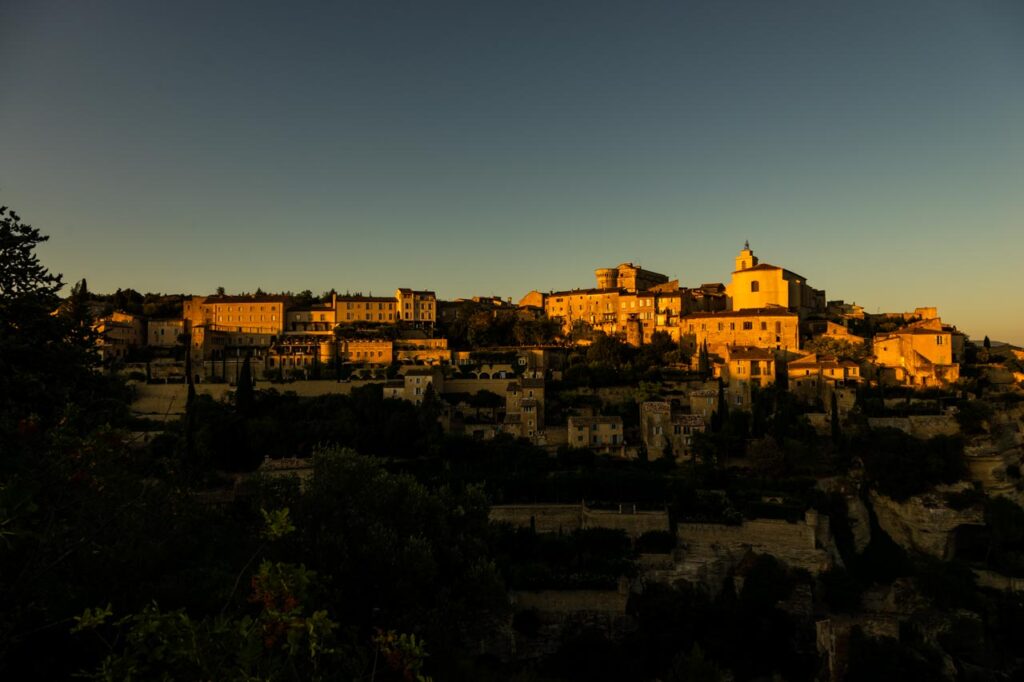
746	259
634	331
607	278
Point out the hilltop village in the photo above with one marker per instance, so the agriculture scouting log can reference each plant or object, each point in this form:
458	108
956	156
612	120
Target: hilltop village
765	326
672	474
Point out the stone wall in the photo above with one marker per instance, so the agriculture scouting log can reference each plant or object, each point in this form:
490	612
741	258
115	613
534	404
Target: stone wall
612	602
560	614
635	523
998	581
712	548
919	426
545	518
924	523
157	400
565	518
471	386
833	638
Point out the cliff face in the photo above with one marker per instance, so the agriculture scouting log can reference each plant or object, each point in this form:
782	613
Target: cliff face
858	516
924	523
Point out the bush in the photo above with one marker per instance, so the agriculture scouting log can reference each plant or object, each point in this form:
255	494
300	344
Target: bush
901	466
656	542
842	590
972	416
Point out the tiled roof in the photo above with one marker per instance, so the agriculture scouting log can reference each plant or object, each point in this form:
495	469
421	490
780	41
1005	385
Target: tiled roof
577	292
748	353
267	298
759	266
593	421
746	312
360	298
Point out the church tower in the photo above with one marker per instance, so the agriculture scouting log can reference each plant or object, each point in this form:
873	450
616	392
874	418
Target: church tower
746	259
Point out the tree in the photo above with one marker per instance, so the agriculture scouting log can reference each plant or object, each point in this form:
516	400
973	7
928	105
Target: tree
721	415
987	343
220	291
837	433
77	312
704	361
244	392
580	330
47	361
607	350
694	667
21	273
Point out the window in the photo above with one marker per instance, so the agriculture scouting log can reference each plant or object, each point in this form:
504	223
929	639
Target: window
755	286
748	325
938	340
720	326
778	328
764	326
732	326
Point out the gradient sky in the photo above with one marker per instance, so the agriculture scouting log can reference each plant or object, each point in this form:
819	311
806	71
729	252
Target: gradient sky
478	147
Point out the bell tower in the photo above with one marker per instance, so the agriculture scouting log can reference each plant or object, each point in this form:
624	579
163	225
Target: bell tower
746	259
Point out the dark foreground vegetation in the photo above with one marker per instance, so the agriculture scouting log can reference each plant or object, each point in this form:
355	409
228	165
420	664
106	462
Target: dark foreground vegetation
119	561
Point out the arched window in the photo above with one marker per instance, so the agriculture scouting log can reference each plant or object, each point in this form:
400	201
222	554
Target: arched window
755	286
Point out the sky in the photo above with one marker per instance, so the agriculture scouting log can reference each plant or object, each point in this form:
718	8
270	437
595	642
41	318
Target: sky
491	148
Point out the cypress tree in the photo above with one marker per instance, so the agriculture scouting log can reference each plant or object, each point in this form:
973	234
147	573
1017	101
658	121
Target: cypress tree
244	393
837	433
190	408
721	414
703	360
986	343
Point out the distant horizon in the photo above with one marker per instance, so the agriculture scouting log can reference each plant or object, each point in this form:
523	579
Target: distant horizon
876	148
446	296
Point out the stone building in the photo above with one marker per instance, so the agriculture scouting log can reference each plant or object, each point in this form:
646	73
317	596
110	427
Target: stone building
820	328
118	333
628	277
703	403
664	429
746	369
353	309
317	319
414	383
600	433
258	314
760	285
425	351
416	307
524	398
920	355
814	377
769	328
164	333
